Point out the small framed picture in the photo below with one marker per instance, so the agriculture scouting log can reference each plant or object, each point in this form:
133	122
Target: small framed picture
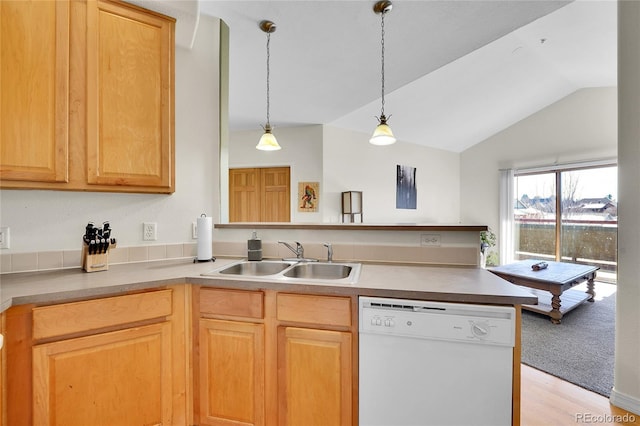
308	196
406	193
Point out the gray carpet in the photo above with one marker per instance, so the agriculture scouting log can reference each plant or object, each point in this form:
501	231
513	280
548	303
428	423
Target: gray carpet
579	350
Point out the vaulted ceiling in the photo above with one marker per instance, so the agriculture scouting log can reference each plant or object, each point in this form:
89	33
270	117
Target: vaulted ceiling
457	71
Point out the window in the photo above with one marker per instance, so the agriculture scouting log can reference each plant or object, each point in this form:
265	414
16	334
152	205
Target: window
568	214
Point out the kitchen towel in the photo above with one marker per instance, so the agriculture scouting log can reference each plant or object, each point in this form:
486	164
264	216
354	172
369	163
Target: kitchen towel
205	234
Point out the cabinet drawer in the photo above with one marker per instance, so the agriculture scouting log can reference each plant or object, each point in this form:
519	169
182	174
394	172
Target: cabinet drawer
232	302
328	310
67	318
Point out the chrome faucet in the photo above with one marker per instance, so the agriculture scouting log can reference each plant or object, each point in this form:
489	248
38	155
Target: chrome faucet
298	251
329	251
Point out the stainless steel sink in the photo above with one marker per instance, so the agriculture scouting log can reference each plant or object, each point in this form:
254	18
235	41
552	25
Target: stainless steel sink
305	272
320	271
255	268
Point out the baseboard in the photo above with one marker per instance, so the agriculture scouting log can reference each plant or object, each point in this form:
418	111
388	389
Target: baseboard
625	401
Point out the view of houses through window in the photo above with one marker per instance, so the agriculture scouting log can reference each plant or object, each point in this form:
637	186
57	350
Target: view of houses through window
568	215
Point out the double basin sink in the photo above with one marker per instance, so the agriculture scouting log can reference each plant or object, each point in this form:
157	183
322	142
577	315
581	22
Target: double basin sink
292	271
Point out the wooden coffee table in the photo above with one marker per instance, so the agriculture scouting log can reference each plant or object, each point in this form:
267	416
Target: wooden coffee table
555	279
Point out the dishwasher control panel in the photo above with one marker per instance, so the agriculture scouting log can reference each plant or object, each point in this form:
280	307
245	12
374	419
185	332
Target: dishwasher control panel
438	320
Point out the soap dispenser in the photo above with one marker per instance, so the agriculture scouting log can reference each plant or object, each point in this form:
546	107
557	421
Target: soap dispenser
254	247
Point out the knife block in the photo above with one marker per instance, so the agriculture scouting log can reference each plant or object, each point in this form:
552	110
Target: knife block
94	262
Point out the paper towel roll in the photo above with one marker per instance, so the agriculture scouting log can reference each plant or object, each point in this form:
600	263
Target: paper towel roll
205	233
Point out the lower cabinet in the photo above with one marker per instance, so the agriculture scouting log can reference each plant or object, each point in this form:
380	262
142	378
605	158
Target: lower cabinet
182	355
231	373
118	360
314	383
113	378
272	358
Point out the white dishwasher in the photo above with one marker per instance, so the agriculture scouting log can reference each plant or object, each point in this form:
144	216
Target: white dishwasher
432	363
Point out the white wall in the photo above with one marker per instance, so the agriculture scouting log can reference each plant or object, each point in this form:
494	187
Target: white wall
301	150
579	127
55	220
351	163
626	388
343	160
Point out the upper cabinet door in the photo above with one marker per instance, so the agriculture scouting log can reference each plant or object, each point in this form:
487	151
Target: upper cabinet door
130	80
34	80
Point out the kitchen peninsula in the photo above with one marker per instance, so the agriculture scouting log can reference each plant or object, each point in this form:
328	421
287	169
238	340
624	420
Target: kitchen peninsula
180	320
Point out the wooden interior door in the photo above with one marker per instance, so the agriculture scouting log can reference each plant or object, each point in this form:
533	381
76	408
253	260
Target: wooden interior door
244	197
260	195
275	195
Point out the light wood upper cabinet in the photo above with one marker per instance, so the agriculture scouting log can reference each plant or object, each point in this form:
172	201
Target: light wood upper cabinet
129	96
87	96
34	79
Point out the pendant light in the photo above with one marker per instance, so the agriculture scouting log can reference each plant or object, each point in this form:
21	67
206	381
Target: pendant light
268	141
382	135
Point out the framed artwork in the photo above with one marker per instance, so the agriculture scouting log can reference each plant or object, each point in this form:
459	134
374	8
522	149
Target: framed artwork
308	196
406	193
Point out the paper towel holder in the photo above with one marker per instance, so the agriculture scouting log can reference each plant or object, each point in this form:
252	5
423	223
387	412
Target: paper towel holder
197	258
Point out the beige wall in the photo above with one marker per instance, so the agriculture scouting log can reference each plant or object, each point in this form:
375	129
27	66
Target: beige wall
626	389
579	127
344	160
351	163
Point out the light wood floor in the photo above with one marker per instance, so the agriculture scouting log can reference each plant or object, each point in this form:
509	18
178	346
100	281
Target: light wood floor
548	400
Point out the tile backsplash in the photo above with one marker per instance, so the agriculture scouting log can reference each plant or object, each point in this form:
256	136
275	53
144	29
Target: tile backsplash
64	259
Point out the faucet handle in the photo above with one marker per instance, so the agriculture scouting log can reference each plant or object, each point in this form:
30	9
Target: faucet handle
329	251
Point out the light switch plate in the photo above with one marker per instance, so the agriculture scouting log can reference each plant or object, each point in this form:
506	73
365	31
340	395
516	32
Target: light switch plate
5	237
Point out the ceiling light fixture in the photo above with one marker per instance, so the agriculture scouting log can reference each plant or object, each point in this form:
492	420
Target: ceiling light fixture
382	135
268	141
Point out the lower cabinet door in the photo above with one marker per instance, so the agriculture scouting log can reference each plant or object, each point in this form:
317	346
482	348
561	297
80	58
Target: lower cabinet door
314	383
232	373
117	378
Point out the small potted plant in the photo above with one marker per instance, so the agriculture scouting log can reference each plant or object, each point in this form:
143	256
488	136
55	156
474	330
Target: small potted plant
487	240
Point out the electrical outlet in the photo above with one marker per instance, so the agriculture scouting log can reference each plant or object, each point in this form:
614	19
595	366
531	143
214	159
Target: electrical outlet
5	237
429	239
149	231
194	230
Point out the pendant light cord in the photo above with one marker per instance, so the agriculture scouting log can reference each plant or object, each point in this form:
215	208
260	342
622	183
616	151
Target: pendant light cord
382	46
268	57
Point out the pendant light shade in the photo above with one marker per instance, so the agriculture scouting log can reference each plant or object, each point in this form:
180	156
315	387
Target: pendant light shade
268	141
382	135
